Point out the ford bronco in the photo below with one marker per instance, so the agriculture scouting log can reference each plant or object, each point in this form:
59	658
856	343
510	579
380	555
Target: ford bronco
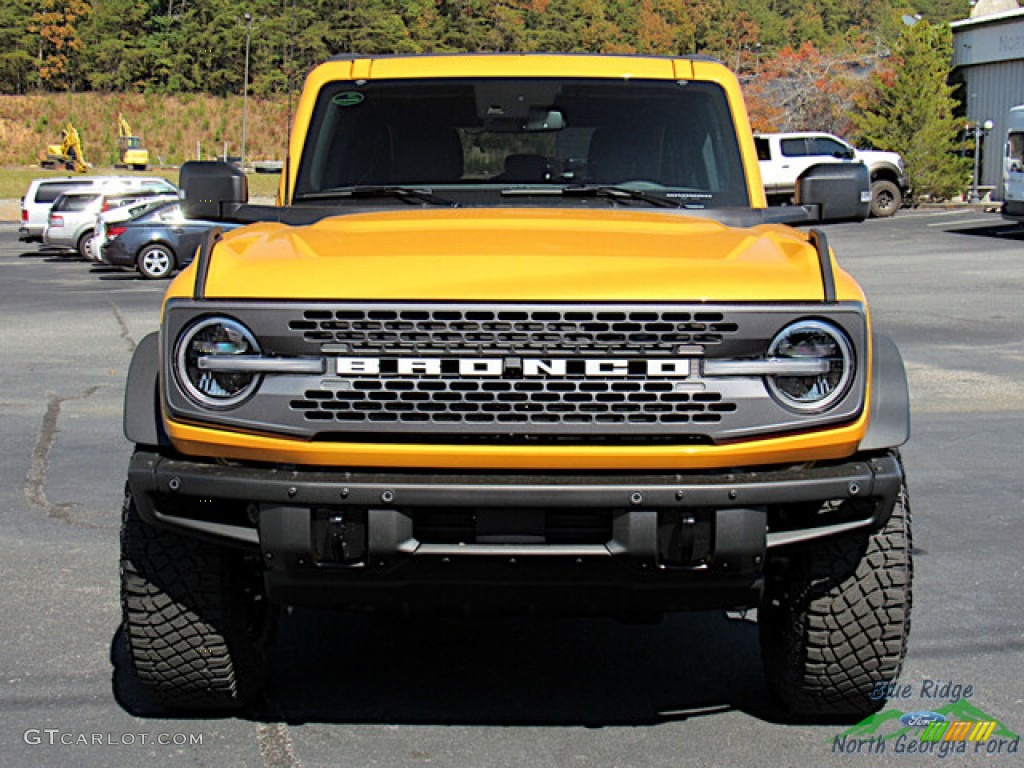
519	335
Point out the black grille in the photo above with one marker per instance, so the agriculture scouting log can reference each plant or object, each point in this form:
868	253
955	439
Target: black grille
486	401
511	332
512	373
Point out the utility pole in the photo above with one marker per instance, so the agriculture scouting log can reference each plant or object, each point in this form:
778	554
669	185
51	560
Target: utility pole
980	131
245	82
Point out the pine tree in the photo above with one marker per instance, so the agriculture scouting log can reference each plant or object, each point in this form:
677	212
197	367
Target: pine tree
911	111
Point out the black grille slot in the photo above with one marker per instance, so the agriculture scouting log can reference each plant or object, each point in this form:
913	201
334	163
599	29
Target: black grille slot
484	401
511	332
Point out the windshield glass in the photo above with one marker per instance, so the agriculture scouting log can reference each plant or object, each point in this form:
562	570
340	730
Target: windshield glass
1015	153
670	139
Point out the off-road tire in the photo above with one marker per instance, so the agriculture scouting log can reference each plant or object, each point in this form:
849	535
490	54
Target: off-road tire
886	198
195	629
835	623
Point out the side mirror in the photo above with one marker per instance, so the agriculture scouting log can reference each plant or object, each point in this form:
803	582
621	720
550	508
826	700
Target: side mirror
840	191
211	190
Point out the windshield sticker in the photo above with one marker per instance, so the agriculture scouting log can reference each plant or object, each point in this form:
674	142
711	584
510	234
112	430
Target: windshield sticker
348	99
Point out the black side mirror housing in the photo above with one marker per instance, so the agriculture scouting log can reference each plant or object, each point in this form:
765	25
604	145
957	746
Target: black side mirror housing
212	191
840	191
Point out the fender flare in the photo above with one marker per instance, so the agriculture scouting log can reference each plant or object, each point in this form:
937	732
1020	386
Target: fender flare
142	421
889	419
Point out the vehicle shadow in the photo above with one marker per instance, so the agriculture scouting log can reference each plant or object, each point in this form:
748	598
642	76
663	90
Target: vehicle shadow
52	255
108	272
346	668
1008	231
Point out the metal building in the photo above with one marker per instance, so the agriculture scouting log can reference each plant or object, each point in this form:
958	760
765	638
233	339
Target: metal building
988	57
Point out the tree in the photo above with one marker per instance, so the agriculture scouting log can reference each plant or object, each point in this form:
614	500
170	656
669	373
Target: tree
17	67
113	57
57	25
910	110
805	90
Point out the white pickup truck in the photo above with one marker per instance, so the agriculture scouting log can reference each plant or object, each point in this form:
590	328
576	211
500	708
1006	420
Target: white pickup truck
784	156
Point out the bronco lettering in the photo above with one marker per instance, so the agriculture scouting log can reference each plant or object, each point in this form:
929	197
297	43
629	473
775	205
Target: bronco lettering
526	367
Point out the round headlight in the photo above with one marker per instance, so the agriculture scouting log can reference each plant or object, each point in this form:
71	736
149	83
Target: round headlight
812	341
215	338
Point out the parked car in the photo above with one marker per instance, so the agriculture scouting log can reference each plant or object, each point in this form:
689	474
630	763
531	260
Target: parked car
158	242
71	222
43	192
71	219
114	211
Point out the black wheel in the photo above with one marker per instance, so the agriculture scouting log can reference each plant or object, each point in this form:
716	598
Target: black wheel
84	245
886	198
835	620
194	618
156	262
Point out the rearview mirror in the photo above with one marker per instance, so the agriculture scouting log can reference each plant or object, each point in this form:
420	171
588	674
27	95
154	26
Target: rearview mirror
545	120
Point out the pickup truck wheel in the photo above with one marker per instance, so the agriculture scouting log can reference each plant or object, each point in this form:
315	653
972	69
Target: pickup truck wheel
835	624
886	198
193	617
155	262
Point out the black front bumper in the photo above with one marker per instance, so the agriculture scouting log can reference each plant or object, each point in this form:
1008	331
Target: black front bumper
601	541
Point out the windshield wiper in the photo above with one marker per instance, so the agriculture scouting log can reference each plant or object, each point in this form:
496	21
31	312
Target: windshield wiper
408	194
595	190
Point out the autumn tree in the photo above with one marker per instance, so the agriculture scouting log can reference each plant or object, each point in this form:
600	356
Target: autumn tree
910	110
805	89
57	23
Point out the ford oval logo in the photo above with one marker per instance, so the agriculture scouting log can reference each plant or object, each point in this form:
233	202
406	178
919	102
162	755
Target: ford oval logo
921	719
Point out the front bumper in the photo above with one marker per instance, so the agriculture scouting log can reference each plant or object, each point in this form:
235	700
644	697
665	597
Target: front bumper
601	541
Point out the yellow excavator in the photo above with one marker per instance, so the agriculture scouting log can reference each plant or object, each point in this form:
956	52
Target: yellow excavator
130	151
68	153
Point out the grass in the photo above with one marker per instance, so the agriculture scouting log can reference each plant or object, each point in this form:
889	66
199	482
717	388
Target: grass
172	128
14	180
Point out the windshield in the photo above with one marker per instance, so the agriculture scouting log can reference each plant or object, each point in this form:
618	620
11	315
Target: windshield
496	139
1015	153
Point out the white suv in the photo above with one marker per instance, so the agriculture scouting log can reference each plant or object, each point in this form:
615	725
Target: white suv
41	194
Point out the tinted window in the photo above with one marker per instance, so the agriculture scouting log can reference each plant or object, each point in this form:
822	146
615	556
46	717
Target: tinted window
48	192
794	147
822	145
677	137
74	202
763	149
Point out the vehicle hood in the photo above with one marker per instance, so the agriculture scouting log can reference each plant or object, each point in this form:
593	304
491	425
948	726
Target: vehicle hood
875	156
516	254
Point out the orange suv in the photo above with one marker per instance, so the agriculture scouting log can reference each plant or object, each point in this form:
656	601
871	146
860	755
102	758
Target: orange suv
519	336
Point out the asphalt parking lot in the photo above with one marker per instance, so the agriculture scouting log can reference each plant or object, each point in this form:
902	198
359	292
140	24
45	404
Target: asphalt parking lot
947	286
